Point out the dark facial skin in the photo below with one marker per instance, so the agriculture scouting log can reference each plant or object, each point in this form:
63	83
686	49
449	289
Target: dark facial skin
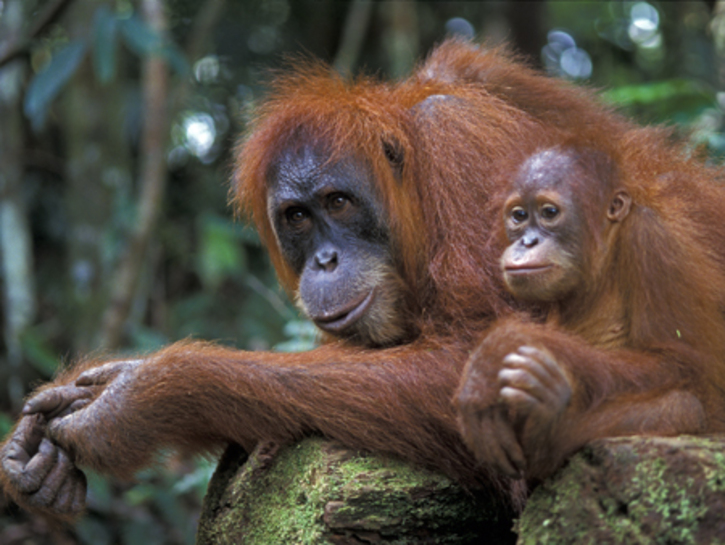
333	232
545	223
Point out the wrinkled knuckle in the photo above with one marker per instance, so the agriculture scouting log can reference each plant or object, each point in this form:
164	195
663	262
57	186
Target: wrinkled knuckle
514	396
513	376
25	484
12	452
513	359
78	404
47	400
57	430
38	500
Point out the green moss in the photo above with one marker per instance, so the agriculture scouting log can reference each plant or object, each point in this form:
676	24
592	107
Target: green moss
715	472
316	491
550	516
636	490
284	503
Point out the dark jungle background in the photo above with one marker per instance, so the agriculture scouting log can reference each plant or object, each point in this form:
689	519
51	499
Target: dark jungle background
118	119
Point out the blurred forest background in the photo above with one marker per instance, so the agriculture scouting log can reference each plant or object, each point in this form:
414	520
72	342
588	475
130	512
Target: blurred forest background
118	119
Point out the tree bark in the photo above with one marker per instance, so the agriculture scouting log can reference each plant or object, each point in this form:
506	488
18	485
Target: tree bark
319	492
16	247
153	170
632	490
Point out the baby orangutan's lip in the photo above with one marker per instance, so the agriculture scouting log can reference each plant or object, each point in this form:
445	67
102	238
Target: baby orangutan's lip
528	268
341	319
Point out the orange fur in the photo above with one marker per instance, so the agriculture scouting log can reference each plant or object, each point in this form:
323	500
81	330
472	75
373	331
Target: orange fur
458	155
642	343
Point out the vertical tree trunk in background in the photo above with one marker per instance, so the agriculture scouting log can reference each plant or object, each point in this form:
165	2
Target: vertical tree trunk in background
16	248
717	27
155	91
353	36
528	35
400	38
98	166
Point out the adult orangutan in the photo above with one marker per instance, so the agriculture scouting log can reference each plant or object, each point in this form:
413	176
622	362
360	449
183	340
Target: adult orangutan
629	276
372	200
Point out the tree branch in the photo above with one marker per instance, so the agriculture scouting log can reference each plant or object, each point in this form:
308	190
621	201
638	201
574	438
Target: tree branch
152	182
154	169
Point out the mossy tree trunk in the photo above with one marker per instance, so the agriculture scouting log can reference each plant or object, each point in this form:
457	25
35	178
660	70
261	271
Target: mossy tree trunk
317	492
627	490
633	490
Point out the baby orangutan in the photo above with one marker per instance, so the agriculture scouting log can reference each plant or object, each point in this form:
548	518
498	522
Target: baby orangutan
631	341
553	237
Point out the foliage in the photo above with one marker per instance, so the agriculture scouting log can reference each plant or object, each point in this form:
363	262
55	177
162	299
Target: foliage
106	30
205	274
46	85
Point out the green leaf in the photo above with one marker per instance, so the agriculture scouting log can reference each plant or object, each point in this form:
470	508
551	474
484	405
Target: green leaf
147	531
6	424
139	494
146	339
250	236
144	40
40	355
139	37
171	508
100	495
176	59
649	93
197	480
47	84
221	253
303	337
104	44
93	532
